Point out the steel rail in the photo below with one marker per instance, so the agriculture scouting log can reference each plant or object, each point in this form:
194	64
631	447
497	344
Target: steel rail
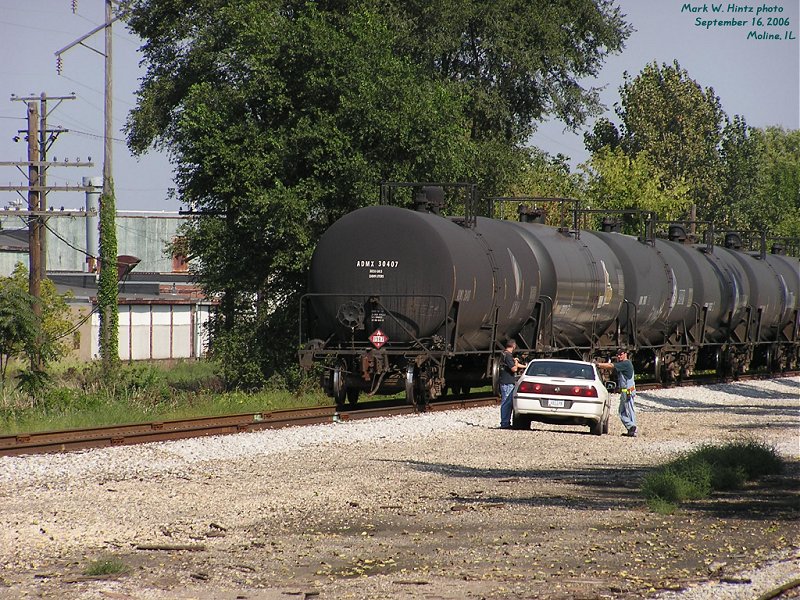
159	431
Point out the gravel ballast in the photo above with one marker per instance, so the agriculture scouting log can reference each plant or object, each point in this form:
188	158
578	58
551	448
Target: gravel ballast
439	505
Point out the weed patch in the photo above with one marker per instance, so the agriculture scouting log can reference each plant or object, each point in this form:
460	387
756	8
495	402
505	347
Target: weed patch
84	396
697	474
110	565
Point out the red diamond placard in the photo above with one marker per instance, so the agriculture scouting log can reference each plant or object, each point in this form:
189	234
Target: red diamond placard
378	338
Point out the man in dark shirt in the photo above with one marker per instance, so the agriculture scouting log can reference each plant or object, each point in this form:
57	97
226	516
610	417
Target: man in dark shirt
509	366
627	390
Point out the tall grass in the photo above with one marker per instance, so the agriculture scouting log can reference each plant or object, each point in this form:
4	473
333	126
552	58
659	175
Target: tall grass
83	396
699	473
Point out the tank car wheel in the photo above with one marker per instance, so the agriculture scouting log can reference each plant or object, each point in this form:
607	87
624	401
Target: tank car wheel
339	389
772	359
658	364
724	365
415	395
494	368
352	395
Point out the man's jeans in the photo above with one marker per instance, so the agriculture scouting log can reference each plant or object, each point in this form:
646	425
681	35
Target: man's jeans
627	412
506	403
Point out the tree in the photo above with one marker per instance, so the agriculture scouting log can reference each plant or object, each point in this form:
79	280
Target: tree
678	124
739	177
617	181
22	333
281	116
603	134
775	202
519	61
548	176
18	324
739	153
543	176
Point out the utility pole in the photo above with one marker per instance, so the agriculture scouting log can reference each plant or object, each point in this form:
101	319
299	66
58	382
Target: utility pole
45	139
39	139
34	224
107	292
43	180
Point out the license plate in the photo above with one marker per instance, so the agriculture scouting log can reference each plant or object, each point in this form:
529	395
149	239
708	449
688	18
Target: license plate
555	403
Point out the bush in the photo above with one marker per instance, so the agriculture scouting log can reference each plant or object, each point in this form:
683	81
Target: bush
194	376
87	395
753	458
679	483
662	507
697	474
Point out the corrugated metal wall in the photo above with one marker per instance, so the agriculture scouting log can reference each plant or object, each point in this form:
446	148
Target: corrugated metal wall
160	327
151	331
144	235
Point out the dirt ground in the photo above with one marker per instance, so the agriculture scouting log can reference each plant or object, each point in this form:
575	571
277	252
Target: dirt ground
431	526
479	537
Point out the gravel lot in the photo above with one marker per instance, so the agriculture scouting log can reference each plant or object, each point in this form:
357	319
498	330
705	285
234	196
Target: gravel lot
434	506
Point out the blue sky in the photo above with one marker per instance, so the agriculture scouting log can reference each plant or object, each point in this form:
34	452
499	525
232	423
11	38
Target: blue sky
759	79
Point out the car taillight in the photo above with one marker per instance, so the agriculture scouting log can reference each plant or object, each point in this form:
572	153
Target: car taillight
588	392
527	387
530	387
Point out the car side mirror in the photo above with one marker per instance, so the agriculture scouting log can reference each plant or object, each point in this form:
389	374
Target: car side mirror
611	386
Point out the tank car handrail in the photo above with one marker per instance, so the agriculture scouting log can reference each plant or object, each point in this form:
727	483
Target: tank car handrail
790	246
648	235
703	321
417	341
307	296
470	202
690	330
552	199
708	234
546	320
630	333
762	240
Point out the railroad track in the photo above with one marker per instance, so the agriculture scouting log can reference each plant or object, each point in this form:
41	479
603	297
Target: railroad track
159	431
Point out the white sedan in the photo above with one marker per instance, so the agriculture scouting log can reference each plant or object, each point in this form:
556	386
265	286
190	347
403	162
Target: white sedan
562	392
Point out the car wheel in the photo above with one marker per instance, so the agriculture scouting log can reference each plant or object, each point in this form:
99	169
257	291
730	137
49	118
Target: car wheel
520	421
596	428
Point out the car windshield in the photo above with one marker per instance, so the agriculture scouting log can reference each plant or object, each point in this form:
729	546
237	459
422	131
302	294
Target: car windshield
555	368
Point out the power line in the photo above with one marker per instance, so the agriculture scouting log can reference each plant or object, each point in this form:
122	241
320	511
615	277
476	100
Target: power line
67	242
96	91
96	135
